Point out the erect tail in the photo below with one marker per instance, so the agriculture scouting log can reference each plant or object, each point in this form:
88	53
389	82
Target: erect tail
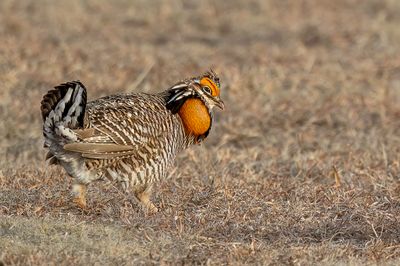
63	109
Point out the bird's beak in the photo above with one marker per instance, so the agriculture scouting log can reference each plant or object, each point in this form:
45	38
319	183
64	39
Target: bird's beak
219	103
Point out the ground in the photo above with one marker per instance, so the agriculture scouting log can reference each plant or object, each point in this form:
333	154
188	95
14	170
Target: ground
302	167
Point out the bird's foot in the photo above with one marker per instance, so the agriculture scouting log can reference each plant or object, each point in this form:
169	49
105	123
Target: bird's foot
79	194
80	202
151	208
144	198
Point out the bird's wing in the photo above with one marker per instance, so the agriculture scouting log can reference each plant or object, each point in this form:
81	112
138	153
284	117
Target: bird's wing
100	150
115	132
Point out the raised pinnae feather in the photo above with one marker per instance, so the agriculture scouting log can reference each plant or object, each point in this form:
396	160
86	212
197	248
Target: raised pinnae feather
176	98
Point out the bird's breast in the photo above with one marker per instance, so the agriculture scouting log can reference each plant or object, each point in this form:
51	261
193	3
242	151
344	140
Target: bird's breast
195	117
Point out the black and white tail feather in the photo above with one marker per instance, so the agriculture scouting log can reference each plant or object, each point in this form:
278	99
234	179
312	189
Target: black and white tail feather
63	109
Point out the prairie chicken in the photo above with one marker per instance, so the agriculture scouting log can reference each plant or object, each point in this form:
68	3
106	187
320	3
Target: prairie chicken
131	139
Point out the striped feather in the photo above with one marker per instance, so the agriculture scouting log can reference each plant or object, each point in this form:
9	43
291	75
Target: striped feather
132	139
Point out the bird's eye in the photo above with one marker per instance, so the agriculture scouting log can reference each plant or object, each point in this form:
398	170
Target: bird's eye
207	89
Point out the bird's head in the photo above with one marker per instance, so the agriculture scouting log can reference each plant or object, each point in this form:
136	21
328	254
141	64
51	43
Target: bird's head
205	87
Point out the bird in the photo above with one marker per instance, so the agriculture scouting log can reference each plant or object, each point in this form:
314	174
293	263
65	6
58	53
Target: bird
131	139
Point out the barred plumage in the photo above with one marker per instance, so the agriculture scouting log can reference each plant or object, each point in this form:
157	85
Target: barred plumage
131	139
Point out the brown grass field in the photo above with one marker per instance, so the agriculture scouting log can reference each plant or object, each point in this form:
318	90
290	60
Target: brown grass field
303	166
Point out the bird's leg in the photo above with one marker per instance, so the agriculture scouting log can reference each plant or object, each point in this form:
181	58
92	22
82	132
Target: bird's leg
79	194
144	198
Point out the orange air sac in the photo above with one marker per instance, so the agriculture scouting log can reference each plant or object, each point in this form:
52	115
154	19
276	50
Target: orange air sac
195	117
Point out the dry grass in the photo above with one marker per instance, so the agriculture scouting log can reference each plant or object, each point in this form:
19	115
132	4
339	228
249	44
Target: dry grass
303	167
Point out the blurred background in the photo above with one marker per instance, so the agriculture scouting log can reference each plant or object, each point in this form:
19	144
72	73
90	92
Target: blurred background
311	88
287	67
